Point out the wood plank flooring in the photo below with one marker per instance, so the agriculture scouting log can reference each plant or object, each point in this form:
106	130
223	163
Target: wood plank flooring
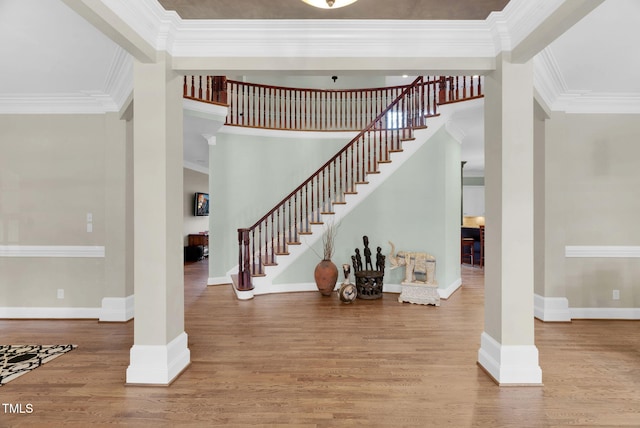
304	360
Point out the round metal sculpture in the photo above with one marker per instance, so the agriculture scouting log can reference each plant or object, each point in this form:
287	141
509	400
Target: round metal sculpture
348	291
369	281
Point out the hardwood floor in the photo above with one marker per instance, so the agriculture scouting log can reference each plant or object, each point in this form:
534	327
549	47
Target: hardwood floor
305	360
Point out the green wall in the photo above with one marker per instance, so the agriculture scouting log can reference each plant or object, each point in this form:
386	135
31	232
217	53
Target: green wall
417	208
249	175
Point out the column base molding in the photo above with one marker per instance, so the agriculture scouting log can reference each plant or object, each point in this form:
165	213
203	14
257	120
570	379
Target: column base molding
507	365
117	309
551	309
158	364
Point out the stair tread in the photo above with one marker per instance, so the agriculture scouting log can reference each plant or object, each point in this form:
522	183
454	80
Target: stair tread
339	202
316	222
258	275
396	151
373	172
327	213
362	182
294	243
280	253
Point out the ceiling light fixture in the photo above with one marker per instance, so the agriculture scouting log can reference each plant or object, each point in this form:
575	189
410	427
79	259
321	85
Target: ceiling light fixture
329	4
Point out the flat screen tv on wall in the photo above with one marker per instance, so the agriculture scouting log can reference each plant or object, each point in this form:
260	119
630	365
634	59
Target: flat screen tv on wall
201	204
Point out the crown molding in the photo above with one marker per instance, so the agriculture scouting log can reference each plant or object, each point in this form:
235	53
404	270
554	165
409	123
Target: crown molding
586	102
547	77
147	18
553	90
325	38
522	17
117	88
119	80
166	31
86	102
517	20
195	167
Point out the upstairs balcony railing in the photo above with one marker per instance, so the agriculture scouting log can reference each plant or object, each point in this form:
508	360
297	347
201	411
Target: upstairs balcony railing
303	109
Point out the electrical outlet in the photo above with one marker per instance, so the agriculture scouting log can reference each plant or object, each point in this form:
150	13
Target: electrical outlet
616	295
89	227
60	293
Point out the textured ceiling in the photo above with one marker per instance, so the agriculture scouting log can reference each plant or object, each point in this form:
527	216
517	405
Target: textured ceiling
362	9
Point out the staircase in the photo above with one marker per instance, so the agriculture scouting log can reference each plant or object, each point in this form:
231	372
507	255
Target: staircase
275	241
325	195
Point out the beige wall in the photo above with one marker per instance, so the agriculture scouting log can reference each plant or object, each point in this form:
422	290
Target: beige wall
52	174
592	200
194	181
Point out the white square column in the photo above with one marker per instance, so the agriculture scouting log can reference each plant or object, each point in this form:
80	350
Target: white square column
160	351
507	351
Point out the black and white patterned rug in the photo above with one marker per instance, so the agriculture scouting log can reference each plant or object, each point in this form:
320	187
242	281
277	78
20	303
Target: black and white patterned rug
16	360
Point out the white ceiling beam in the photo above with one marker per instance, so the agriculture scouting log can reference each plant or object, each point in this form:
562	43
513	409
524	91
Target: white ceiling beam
110	22
543	23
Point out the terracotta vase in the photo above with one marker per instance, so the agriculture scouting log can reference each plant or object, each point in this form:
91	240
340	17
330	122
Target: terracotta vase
326	276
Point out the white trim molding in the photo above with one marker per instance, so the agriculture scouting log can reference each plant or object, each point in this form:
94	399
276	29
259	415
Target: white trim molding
219	280
613	251
509	364
158	364
71	251
551	309
117	309
606	313
445	293
83	102
196	167
554	92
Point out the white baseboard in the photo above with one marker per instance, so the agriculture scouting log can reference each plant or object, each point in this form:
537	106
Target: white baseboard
287	288
391	288
268	288
158	364
509	364
605	313
117	309
551	309
445	293
218	280
50	313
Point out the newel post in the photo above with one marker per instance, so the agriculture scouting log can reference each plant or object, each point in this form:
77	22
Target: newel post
244	270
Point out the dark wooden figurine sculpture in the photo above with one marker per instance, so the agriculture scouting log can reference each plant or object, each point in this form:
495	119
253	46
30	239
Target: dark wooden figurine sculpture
368	280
